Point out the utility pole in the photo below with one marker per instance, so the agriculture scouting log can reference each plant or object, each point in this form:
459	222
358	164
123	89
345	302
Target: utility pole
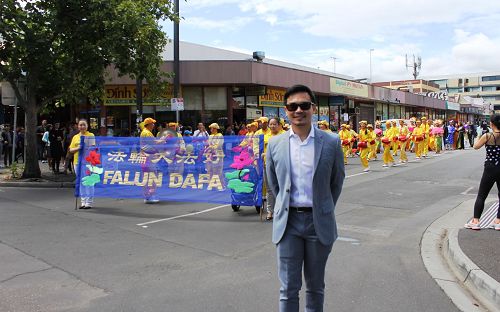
371	50
176	57
334	63
415	66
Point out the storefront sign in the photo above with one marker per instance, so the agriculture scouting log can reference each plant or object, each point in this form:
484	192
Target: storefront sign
274	97
125	95
253	113
452	106
347	87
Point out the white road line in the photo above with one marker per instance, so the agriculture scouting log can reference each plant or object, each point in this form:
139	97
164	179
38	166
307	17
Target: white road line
356	174
2	191
144	225
467	191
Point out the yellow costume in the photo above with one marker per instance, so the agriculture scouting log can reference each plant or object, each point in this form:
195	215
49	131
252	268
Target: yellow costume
403	138
425	129
418	139
395	142
345	140
215	156
387	141
372	143
364	138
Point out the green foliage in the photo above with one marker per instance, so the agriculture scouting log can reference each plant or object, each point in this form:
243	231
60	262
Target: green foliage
15	170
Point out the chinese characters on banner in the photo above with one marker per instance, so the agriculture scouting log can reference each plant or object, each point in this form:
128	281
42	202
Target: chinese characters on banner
218	169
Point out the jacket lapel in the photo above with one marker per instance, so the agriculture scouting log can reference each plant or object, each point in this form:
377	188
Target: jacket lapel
286	150
318	146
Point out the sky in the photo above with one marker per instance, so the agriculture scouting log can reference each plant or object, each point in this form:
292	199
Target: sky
450	36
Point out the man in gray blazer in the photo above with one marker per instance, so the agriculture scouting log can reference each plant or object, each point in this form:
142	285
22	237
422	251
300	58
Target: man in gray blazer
305	171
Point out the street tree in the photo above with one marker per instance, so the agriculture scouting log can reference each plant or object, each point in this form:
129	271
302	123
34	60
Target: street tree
62	50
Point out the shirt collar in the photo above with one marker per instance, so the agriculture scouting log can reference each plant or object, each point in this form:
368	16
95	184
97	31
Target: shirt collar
311	133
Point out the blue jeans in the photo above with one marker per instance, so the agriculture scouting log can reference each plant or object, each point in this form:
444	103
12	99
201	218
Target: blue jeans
300	247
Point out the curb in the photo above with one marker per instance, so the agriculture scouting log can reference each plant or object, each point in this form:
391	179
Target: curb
475	279
38	184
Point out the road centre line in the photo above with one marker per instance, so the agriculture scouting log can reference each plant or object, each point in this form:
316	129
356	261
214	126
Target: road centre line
144	225
356	174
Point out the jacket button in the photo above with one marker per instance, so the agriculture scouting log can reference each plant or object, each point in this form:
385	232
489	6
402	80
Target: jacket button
288	190
286	209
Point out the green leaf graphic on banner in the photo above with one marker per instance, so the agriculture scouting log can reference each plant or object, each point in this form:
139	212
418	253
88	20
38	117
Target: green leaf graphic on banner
91	180
241	187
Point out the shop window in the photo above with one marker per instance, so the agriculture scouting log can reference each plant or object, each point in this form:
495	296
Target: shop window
192	98
215	98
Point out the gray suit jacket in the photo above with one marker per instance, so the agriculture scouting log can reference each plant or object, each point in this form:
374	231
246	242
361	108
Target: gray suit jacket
327	182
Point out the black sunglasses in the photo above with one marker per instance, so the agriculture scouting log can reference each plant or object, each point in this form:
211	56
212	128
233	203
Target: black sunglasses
291	107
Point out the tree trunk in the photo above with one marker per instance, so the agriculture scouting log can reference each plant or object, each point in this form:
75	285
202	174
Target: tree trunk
31	167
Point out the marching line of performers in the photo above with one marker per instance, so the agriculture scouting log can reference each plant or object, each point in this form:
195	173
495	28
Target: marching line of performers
419	137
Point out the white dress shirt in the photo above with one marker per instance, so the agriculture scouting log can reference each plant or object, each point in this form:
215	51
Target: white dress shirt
302	169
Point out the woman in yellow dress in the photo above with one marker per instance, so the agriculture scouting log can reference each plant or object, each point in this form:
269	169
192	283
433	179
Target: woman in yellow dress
373	143
275	126
364	139
387	142
403	136
345	140
418	139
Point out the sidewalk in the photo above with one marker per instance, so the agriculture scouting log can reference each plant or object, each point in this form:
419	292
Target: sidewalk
48	178
465	263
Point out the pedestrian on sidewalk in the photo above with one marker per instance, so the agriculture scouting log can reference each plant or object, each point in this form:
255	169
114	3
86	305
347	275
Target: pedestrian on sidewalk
7	141
491	173
305	171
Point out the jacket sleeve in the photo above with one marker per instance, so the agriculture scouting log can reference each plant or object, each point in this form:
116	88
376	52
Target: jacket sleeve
338	173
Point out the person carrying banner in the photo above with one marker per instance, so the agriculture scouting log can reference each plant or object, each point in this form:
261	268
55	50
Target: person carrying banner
345	140
403	136
86	192
180	149
149	152
363	145
387	141
275	127
214	153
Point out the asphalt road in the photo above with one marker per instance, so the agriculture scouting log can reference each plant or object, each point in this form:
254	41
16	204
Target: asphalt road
53	258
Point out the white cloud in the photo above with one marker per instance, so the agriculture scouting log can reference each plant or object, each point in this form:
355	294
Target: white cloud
225	25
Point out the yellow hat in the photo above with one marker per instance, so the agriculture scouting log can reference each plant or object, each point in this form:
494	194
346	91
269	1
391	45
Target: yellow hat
263	119
148	121
388	122
255	124
343	125
214	125
423	118
369	126
172	124
348	126
363	122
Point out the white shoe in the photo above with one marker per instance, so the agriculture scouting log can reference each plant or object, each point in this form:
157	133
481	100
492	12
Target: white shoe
151	201
385	165
417	158
366	169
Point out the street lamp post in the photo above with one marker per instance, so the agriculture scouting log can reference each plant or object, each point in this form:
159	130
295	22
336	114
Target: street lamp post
334	63
371	50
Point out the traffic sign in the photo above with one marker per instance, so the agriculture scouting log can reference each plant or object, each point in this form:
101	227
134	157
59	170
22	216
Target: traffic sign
177	104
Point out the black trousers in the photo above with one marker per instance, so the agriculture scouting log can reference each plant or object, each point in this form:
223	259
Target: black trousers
491	174
7	155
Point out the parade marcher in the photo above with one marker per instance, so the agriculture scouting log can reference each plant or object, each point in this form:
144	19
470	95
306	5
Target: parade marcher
323	125
7	142
56	147
149	152
364	139
418	138
432	139
275	127
411	144
86	192
425	130
354	137
403	136
180	149
372	155
491	173
450	135
437	131
395	142
379	133
386	142
264	126
214	153
345	140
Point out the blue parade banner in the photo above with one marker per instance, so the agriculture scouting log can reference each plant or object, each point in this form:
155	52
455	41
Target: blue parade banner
218	169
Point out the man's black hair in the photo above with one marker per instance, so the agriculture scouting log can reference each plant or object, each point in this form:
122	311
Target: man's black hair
495	119
299	89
